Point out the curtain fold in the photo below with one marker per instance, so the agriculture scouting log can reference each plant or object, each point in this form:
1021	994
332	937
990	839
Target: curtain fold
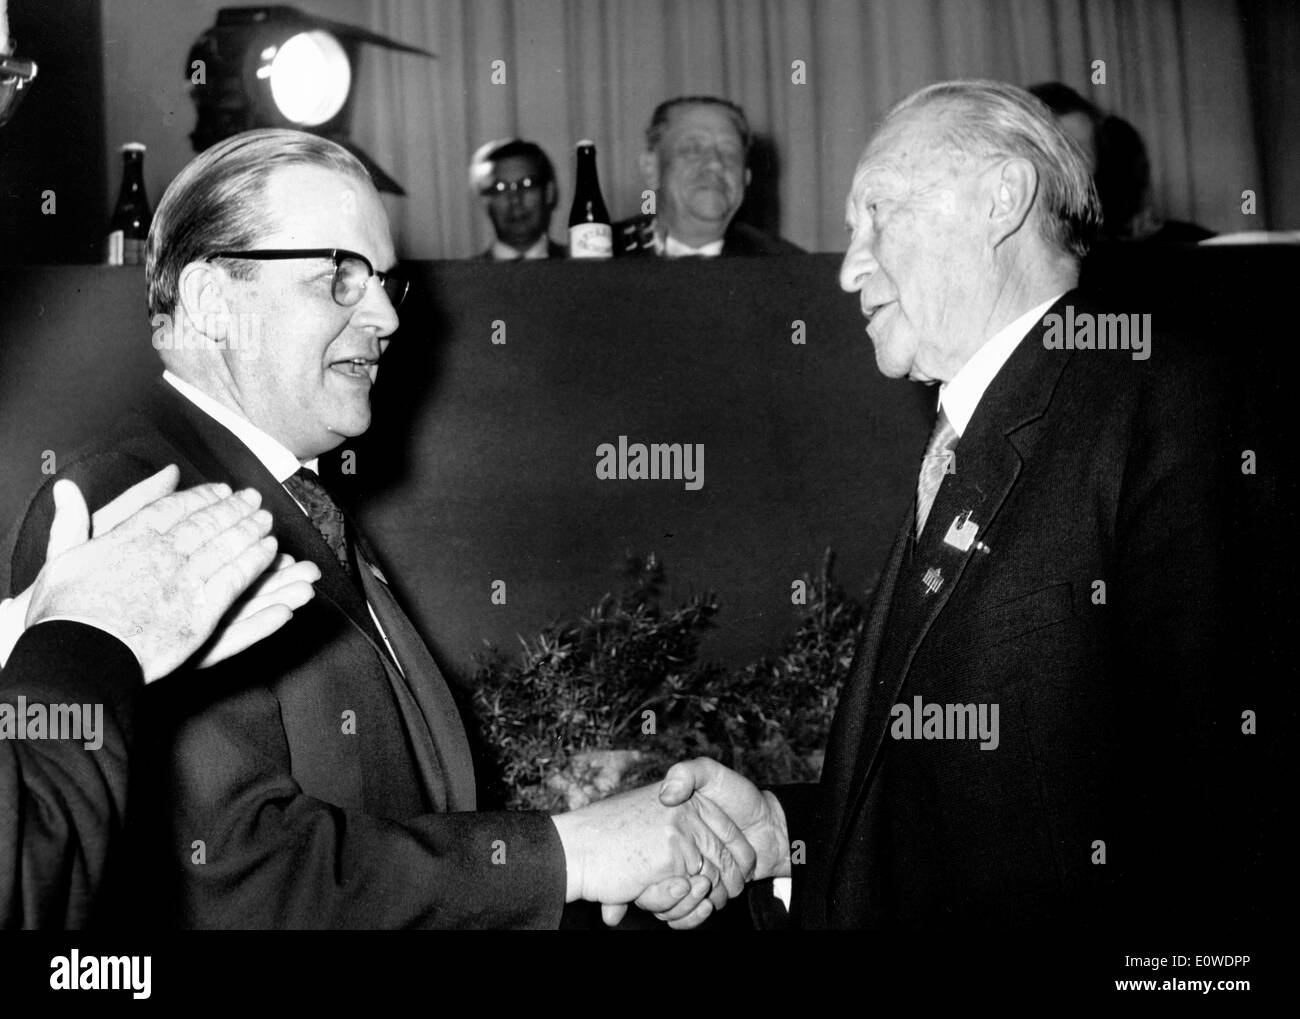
1179	70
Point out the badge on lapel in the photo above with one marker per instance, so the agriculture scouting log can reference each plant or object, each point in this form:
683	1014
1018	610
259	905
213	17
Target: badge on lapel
933	579
961	532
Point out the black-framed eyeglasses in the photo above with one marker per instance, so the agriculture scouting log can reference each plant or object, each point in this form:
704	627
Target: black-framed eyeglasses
505	187
352	272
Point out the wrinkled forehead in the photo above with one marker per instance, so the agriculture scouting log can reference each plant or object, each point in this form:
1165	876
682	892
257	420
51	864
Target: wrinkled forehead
907	151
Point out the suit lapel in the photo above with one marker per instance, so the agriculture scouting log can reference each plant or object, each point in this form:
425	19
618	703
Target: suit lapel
423	697
989	460
437	733
215	454
847	729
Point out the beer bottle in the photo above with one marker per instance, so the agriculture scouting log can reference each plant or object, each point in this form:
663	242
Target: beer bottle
129	228
590	233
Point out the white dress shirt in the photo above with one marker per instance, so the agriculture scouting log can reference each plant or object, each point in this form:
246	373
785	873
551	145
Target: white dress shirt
270	452
961	395
541	248
670	247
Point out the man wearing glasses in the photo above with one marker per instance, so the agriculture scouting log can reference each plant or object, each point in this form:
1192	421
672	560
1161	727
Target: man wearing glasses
516	182
323	779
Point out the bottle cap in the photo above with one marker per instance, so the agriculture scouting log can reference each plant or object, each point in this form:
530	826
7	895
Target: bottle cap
133	147
586	141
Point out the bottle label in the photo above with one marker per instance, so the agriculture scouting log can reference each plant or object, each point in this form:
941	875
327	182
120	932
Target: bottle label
591	240
123	250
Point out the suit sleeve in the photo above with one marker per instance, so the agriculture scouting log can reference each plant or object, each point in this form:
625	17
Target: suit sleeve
1171	601
61	801
253	850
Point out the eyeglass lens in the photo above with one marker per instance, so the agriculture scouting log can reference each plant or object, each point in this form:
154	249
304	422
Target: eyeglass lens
352	277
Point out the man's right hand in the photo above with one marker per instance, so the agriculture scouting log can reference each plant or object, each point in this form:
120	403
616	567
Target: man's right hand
634	847
161	576
755	812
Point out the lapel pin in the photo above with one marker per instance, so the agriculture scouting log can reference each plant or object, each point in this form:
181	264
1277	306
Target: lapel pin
961	532
933	580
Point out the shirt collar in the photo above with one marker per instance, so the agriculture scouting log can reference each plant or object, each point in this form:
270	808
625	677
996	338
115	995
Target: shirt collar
541	248
959	397
667	246
270	453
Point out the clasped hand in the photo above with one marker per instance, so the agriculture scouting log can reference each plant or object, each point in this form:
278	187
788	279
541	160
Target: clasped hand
681	850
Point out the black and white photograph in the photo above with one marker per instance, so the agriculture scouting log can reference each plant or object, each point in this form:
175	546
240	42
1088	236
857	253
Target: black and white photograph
802	482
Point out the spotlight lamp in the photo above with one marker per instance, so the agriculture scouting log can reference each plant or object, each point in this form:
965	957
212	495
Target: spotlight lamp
278	67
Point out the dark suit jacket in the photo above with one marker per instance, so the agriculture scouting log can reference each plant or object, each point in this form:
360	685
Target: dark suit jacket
304	783
61	803
635	237
1080	468
553	250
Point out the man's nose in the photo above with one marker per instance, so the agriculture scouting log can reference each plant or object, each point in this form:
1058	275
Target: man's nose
375	311
858	264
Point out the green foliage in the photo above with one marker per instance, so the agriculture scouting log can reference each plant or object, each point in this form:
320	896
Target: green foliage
586	686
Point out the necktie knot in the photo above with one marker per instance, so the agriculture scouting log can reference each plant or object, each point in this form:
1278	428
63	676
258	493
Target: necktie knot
325	514
937	462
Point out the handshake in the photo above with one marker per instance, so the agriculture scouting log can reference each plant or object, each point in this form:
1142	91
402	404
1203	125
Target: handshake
679	851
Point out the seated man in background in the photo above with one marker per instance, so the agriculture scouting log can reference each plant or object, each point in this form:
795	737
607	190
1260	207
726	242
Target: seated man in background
134	603
516	181
323	779
695	160
1121	170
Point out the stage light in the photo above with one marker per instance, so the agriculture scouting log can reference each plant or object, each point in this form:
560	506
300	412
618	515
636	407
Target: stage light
279	67
310	78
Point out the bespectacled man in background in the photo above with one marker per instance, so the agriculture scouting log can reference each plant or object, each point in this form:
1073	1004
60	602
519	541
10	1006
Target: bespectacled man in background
516	183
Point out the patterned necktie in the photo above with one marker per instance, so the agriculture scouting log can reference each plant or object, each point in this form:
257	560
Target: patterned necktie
938	456
306	487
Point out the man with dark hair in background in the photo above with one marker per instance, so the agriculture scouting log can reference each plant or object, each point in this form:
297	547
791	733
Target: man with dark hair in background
1121	170
1123	178
696	162
1078	117
516	182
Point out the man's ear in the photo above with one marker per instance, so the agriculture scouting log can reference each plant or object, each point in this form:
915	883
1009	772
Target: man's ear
649	163
202	295
1014	185
749	177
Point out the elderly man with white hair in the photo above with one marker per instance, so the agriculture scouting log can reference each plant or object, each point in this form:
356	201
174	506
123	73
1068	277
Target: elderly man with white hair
1026	731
